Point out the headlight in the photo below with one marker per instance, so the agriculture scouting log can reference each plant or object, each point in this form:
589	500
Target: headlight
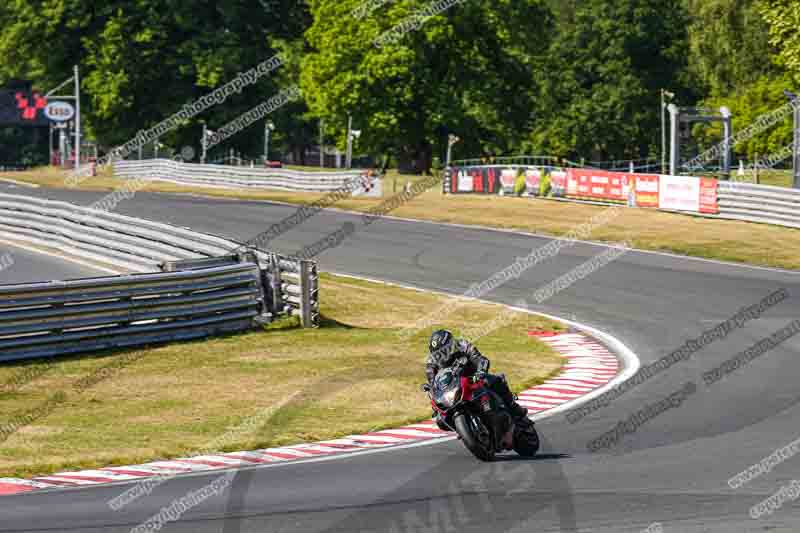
451	397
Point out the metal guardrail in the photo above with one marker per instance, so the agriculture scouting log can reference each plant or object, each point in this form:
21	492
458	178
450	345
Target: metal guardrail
62	317
232	176
162	257
127	243
759	203
521	160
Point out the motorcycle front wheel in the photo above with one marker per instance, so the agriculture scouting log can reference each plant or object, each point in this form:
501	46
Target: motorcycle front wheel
526	441
475	435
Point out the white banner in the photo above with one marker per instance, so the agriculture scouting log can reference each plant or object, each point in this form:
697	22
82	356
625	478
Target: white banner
680	193
464	182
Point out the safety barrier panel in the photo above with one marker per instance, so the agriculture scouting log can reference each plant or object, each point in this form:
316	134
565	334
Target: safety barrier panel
759	203
360	182
158	258
126	243
62	317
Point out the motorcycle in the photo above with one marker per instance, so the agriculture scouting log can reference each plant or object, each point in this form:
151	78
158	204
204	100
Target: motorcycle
478	415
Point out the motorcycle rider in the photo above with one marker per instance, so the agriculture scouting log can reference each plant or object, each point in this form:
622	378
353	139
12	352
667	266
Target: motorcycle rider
445	350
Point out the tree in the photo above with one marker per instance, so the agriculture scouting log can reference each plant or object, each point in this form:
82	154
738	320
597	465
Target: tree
784	19
466	70
729	48
143	59
746	105
605	68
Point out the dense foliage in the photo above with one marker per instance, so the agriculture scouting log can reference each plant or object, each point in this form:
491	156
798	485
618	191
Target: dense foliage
571	78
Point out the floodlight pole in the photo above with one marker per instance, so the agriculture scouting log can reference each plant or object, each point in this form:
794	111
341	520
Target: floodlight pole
77	120
349	157
451	140
796	151
674	153
728	134
321	145
663	134
203	145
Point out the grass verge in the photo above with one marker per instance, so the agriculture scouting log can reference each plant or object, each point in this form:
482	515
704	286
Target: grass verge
275	387
730	240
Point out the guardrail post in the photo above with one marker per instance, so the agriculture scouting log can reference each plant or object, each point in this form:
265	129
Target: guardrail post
273	284
309	294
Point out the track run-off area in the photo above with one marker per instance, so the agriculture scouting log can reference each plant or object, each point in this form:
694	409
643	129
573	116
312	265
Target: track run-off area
669	466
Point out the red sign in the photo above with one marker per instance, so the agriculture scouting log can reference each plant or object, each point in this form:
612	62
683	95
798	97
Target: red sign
708	196
647	189
30	104
477	180
599	184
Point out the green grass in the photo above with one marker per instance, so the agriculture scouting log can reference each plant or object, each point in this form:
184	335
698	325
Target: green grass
354	374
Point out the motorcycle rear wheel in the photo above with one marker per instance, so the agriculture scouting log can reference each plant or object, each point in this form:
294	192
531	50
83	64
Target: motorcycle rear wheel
468	428
526	441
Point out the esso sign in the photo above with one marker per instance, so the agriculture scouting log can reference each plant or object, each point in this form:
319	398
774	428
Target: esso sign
59	111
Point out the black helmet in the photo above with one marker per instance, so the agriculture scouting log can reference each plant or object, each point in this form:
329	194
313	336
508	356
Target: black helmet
442	345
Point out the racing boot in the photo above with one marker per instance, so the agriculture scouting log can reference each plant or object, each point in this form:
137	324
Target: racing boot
518	412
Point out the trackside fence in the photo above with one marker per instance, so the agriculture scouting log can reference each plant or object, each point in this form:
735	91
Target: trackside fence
360	182
681	194
176	283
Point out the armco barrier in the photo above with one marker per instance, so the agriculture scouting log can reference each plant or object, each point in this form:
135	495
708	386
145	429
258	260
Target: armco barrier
759	203
277	285
62	317
126	243
360	182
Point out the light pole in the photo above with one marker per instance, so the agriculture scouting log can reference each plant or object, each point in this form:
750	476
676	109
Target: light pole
351	134
77	119
268	127
727	127
354	134
674	153
349	155
451	140
321	144
670	95
793	98
203	144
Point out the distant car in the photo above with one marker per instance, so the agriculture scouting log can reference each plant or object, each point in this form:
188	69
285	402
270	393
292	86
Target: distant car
273	164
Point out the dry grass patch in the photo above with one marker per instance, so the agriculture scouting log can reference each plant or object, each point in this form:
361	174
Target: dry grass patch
354	374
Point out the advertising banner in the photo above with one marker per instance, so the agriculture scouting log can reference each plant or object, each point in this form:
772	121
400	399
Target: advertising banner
464	181
477	179
558	183
646	186
597	184
679	193
708	196
533	181
508	177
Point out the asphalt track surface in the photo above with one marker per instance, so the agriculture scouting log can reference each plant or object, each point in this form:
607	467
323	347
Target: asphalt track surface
27	266
673	470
